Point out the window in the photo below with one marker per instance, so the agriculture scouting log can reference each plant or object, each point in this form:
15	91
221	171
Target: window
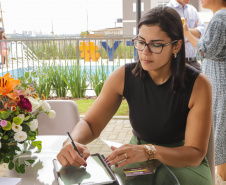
142	7
135	7
162	4
134	30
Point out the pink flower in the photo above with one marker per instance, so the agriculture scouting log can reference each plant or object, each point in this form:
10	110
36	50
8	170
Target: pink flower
18	92
24	103
3	123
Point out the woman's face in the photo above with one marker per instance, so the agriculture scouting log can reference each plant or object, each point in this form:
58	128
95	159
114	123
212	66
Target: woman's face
209	4
152	61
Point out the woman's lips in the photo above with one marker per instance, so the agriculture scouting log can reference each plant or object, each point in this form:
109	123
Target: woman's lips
146	61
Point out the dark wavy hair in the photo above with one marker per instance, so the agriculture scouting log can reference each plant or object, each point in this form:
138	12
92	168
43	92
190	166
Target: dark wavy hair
170	22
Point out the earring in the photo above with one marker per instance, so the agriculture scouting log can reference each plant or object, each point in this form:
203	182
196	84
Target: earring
175	55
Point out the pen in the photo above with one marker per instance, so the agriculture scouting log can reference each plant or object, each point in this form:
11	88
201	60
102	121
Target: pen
72	142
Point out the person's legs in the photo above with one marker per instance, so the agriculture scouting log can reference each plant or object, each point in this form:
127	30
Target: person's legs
6	61
2	60
198	175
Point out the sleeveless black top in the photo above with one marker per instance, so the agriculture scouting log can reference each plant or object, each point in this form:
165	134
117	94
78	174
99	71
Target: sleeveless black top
158	115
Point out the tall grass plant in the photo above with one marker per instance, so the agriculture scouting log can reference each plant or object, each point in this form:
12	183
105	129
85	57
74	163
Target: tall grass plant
76	80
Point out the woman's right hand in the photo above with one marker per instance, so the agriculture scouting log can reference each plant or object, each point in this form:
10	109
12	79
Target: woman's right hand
68	156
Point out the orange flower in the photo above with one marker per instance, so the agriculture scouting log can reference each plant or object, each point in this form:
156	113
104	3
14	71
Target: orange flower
17	98
35	95
7	85
31	88
43	97
25	112
13	108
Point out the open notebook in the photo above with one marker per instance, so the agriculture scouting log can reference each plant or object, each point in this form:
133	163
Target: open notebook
96	172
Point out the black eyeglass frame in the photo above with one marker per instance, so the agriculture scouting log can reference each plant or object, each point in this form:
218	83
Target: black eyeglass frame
147	44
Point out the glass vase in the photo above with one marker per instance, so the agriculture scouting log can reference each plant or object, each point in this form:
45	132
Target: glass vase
4	170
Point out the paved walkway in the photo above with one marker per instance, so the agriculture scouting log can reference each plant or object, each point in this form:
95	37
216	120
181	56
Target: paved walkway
117	130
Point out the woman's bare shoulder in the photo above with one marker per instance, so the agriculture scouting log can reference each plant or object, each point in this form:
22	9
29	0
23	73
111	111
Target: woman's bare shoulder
202	90
115	81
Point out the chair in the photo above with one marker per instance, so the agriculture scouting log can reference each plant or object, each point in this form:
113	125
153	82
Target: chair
67	116
210	155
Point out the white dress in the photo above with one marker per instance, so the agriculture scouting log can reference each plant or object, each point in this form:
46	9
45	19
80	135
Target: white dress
213	45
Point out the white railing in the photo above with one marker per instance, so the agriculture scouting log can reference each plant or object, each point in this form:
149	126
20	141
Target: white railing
29	53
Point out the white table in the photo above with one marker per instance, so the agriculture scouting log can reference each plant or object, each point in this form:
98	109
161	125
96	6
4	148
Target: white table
41	171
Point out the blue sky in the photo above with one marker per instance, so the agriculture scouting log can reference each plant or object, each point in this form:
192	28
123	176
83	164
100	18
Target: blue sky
68	16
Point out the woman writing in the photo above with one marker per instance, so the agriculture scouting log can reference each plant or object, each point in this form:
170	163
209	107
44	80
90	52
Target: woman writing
169	104
213	47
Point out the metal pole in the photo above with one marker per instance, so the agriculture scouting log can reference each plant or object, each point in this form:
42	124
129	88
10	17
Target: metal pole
138	16
87	15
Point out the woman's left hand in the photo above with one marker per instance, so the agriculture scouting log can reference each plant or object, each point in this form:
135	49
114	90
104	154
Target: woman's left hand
126	154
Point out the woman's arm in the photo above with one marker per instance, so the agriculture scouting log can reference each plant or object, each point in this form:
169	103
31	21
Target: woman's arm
191	35
95	120
102	110
197	129
197	134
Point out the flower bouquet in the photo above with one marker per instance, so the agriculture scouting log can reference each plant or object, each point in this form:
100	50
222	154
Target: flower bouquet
19	108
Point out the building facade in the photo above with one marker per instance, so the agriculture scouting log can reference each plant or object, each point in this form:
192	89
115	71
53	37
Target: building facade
129	12
109	31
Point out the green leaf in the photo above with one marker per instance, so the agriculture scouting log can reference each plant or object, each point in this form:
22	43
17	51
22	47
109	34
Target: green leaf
30	80
37	142
39	147
31	133
11	165
17	166
26	163
5	159
22	78
4	114
31	138
27	118
27	75
26	128
29	162
22	168
34	74
17	148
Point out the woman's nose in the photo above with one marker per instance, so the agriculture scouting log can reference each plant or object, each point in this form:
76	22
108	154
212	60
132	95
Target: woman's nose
146	50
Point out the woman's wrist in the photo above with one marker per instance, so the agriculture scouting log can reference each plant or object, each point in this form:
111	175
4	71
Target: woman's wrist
150	151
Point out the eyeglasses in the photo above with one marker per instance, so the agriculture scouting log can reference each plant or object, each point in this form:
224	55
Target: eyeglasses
152	46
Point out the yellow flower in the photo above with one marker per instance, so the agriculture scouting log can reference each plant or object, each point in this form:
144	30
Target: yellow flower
17	120
8	126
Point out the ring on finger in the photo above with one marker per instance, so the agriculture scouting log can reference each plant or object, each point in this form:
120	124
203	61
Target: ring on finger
126	156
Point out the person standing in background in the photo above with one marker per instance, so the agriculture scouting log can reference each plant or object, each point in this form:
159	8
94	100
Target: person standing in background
212	47
3	48
195	26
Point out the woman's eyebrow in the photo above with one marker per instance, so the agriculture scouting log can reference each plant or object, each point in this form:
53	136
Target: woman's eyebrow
151	40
